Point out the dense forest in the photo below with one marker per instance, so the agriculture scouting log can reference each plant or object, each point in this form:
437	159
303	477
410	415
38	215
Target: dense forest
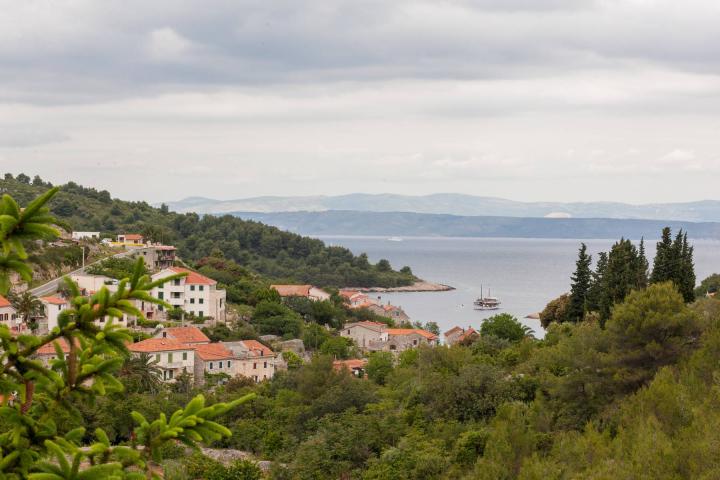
277	255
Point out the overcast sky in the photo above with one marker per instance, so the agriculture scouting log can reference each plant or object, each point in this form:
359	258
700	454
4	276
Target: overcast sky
568	100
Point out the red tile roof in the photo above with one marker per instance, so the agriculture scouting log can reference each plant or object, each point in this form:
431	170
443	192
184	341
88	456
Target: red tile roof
186	334
213	351
350	364
158	345
193	278
49	348
453	330
54	300
365	323
4	302
292	290
133	236
257	349
470	331
409	331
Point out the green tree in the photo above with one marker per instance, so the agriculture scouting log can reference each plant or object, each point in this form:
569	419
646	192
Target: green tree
379	366
142	374
663	264
652	328
337	347
555	311
28	307
580	286
505	326
314	336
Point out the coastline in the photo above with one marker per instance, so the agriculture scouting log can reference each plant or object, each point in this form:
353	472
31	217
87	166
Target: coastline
419	286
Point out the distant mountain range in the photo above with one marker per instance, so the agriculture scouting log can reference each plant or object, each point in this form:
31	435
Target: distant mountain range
456	204
399	224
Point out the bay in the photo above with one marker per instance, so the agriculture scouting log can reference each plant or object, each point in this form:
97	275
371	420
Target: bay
525	274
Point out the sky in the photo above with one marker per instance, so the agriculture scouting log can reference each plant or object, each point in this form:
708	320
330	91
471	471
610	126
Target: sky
558	100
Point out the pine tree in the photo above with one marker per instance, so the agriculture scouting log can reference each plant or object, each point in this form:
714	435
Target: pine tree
642	266
596	296
686	279
580	288
662	264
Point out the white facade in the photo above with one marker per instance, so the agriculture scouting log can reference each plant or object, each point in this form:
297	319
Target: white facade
85	235
195	294
8	315
53	307
172	357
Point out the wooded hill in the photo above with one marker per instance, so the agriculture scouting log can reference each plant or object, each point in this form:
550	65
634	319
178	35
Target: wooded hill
278	255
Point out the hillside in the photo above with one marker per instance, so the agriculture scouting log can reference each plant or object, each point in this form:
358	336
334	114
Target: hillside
277	255
455	204
419	224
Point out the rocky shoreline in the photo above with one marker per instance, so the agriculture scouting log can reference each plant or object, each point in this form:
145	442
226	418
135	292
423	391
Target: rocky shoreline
419	286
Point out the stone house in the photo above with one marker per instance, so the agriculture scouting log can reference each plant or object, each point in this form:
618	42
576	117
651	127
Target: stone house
173	357
363	333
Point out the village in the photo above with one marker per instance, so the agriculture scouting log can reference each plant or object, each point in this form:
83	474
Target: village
178	346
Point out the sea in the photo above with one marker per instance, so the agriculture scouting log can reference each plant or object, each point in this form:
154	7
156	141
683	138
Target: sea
524	274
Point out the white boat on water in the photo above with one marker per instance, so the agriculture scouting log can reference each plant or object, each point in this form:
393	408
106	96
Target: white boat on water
395	239
486	303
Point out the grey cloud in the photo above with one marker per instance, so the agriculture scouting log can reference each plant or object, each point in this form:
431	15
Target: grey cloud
98	50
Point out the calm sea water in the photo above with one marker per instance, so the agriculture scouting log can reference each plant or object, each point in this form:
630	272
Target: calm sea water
523	273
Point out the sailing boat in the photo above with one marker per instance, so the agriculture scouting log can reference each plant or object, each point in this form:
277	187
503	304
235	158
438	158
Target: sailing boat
486	303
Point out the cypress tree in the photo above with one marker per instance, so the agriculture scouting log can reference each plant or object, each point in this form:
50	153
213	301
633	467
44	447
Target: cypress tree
686	279
642	266
596	295
581	281
662	270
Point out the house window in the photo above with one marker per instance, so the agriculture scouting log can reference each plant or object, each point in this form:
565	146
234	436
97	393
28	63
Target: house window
192	300
211	365
264	364
175	294
220	365
201	288
184	355
164	334
201	300
157	358
414	342
161	295
169	357
255	377
201	314
176	282
170	374
192	288
229	363
254	366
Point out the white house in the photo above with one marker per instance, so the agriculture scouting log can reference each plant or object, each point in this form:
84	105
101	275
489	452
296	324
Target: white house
307	291
131	239
173	357
363	333
85	235
195	293
8	315
53	306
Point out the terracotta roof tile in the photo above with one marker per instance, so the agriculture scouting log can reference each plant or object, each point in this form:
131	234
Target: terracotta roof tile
213	351
186	334
4	302
193	278
257	348
158	345
409	331
292	290
49	348
350	364
54	300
